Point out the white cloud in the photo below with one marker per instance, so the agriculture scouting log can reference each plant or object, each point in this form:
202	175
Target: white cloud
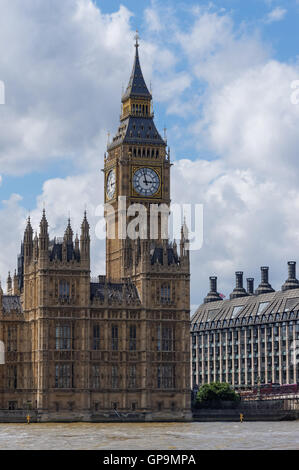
277	14
12	217
244	119
152	19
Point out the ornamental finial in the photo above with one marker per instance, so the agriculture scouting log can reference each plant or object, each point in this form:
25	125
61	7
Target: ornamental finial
137	37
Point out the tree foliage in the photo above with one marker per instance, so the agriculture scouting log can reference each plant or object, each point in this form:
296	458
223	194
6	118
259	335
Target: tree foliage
216	391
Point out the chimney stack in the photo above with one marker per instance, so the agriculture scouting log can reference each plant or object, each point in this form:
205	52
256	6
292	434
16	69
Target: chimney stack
291	282
239	290
213	294
250	286
264	286
213	284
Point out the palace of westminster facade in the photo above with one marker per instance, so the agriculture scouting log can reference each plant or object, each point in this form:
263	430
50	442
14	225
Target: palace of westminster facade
118	348
124	347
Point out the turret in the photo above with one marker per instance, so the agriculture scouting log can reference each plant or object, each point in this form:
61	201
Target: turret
9	284
77	244
15	284
85	240
68	235
43	237
184	242
28	243
35	247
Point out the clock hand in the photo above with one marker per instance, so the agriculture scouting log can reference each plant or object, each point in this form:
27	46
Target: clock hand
145	180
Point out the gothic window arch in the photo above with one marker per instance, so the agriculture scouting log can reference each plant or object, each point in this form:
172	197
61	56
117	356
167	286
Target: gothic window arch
64	289
165	296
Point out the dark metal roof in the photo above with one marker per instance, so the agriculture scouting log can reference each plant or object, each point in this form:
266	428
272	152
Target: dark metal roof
251	306
55	251
137	130
137	87
157	256
115	291
11	304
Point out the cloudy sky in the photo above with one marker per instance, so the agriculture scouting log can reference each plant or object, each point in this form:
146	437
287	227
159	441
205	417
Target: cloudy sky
221	75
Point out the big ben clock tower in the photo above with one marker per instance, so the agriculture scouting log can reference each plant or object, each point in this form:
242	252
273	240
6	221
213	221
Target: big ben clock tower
137	171
137	168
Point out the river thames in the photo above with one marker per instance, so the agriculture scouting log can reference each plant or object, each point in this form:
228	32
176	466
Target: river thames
151	436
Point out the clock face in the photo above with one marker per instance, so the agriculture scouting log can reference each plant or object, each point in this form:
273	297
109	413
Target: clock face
110	185
146	181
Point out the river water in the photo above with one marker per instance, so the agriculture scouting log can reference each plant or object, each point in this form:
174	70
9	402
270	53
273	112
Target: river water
157	436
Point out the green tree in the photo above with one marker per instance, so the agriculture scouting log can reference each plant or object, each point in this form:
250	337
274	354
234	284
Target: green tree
216	391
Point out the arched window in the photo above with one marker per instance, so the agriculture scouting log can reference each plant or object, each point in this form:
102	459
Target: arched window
64	289
165	293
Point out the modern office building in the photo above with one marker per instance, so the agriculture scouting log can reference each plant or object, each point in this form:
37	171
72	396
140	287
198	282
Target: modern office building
251	338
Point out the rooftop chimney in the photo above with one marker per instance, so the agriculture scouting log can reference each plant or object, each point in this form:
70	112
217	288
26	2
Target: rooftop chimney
239	290
213	294
291	282
264	286
250	286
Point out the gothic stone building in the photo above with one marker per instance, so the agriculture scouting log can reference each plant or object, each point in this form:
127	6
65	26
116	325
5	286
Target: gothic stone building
251	338
118	348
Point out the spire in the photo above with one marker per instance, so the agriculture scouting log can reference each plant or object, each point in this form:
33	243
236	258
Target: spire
137	86
85	240
28	231
15	284
68	235
85	227
28	243
43	234
9	284
43	224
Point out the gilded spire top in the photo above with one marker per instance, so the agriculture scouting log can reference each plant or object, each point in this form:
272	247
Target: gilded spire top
137	37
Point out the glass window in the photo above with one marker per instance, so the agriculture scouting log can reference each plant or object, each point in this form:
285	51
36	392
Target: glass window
132	342
64	289
63	376
165	293
114	377
95	376
262	306
166	376
96	337
132	376
63	338
114	333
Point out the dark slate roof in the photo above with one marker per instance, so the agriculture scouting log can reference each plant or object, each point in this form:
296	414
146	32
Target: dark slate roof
157	256
11	304
137	130
115	291
137	86
55	251
246	308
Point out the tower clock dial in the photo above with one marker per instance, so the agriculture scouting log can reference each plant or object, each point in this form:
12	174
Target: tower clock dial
110	184
146	181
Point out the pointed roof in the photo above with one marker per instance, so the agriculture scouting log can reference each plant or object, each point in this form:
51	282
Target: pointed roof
68	234
137	86
85	225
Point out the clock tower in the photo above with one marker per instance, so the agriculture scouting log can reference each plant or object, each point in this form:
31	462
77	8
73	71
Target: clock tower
137	171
